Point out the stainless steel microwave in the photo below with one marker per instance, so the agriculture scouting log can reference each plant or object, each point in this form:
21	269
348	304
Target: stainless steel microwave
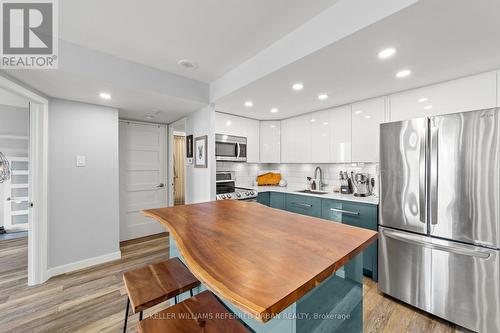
230	148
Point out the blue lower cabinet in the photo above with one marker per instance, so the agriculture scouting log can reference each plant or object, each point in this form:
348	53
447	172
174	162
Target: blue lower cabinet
363	216
303	205
264	198
277	200
331	210
351	213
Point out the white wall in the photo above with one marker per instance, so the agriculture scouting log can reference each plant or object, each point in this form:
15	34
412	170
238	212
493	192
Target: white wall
200	182
13	121
83	210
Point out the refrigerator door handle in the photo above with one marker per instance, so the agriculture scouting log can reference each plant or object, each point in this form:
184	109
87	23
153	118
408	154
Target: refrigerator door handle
433	184
422	241
422	174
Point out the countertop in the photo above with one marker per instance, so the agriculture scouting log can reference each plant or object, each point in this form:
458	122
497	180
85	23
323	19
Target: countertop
373	200
260	259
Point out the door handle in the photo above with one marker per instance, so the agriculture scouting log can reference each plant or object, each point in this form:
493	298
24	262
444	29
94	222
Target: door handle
160	185
238	150
344	211
433	184
300	204
422	177
417	240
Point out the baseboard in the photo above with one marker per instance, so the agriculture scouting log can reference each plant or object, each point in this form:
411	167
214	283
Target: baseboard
74	266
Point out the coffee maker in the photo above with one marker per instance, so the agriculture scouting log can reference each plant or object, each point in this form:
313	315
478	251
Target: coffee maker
363	186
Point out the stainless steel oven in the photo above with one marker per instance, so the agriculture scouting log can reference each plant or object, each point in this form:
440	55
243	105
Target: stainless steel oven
224	183
227	190
230	148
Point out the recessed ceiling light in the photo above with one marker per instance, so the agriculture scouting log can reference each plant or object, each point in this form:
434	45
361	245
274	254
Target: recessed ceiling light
358	112
423	99
313	120
274	110
322	97
298	86
368	116
188	64
248	104
105	95
273	126
228	123
387	53
428	107
403	73
325	123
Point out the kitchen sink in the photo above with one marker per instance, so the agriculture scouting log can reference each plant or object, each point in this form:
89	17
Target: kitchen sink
312	192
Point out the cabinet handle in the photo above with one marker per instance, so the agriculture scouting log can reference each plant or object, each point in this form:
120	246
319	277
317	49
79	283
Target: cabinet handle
344	211
301	204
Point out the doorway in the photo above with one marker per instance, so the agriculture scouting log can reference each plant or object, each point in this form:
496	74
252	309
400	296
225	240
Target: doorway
36	174
14	166
179	162
143	177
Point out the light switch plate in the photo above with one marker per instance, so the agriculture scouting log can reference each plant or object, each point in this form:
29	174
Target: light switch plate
80	161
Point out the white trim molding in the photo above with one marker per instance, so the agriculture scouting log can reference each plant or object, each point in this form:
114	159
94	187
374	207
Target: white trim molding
86	263
38	180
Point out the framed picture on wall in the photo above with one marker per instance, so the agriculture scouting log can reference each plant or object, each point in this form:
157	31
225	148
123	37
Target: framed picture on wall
200	151
189	146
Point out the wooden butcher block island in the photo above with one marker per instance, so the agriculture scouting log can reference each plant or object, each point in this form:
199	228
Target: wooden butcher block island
278	271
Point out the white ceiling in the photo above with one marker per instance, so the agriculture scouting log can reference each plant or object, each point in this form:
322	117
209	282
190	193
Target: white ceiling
134	104
216	34
437	40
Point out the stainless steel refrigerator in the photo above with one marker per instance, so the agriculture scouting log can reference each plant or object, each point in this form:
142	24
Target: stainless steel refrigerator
439	234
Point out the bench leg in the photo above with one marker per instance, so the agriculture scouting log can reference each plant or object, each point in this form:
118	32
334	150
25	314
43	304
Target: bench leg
140	315
126	316
191	292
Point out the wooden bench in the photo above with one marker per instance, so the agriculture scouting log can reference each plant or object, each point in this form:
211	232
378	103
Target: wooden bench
200	313
156	283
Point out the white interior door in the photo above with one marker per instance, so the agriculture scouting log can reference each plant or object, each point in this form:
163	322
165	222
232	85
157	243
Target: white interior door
143	177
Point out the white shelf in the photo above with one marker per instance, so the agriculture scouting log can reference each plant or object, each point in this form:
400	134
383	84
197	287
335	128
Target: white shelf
17	159
22	199
19	186
19	212
14	137
20	172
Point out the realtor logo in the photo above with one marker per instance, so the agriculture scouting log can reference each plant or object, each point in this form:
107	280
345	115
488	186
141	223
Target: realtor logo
29	36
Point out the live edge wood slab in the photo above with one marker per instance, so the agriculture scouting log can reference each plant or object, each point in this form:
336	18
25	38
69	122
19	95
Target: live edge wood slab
258	258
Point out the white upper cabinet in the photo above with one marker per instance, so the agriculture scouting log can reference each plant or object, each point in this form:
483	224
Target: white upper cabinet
240	126
321	134
270	137
466	94
366	119
296	139
253	140
340	139
331	135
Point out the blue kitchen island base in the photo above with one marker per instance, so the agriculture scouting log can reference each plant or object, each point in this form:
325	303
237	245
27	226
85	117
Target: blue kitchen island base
335	305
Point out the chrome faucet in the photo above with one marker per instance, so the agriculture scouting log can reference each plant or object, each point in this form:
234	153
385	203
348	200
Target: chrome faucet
319	186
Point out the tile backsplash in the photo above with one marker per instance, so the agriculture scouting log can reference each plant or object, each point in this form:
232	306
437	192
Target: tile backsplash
296	174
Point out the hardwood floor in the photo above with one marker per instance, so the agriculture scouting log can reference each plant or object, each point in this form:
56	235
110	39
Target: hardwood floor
93	300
